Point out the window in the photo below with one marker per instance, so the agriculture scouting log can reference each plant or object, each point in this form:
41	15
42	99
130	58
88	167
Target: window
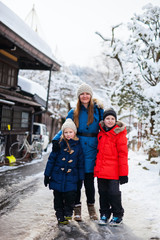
20	119
25	120
8	75
6	117
44	130
17	119
36	130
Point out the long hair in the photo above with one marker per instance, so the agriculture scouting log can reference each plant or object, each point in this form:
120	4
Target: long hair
69	148
90	112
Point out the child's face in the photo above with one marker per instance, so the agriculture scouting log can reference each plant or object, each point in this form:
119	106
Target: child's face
69	133
109	121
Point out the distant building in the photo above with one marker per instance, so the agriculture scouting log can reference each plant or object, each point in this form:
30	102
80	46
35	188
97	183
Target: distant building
20	48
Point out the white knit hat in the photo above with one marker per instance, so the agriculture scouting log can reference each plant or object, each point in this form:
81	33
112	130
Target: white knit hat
84	88
69	124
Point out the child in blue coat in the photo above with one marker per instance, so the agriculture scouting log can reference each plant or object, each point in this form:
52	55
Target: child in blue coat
63	170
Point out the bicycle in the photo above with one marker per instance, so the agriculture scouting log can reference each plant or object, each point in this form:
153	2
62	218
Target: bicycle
2	148
20	149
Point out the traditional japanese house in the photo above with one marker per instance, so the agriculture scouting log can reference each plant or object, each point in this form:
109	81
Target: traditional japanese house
20	48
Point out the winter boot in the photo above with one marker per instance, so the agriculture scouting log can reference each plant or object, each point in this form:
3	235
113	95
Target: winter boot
62	221
92	212
77	213
68	217
60	216
115	221
103	220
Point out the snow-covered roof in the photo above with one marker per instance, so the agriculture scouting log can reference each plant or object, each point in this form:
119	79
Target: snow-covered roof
16	24
31	87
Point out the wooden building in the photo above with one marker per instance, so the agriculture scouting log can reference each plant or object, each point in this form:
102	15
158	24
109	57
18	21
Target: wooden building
20	48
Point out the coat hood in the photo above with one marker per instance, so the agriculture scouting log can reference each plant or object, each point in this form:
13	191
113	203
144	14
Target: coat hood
120	126
98	103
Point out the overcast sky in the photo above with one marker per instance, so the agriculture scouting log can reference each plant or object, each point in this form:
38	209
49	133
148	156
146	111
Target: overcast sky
69	26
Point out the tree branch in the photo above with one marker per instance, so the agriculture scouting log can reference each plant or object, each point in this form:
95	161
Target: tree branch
113	28
105	39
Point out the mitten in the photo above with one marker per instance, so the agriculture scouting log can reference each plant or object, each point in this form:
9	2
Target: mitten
55	146
123	179
46	180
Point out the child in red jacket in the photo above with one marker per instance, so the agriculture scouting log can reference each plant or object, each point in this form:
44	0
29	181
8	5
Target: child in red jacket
111	167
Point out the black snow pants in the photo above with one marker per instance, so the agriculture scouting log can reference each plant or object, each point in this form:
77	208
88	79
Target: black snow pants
64	203
110	198
89	189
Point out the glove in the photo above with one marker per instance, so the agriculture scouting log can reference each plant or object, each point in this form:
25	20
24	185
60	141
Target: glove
46	180
55	146
123	179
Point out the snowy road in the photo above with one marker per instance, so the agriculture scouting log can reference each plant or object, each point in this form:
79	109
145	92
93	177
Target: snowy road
27	211
88	230
18	183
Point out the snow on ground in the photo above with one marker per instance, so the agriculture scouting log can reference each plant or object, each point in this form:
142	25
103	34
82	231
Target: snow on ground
141	196
34	218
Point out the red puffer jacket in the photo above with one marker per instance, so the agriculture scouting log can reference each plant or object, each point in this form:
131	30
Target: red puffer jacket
112	156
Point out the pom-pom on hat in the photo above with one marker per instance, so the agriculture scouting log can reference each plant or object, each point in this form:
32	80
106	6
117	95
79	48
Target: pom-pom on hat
69	124
84	88
109	111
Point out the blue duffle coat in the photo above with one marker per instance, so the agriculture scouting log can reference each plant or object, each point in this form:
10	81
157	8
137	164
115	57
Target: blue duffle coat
65	169
88	143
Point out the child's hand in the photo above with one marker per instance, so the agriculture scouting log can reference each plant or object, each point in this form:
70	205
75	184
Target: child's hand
123	179
46	180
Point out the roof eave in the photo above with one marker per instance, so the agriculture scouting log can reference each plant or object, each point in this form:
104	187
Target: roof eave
27	47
